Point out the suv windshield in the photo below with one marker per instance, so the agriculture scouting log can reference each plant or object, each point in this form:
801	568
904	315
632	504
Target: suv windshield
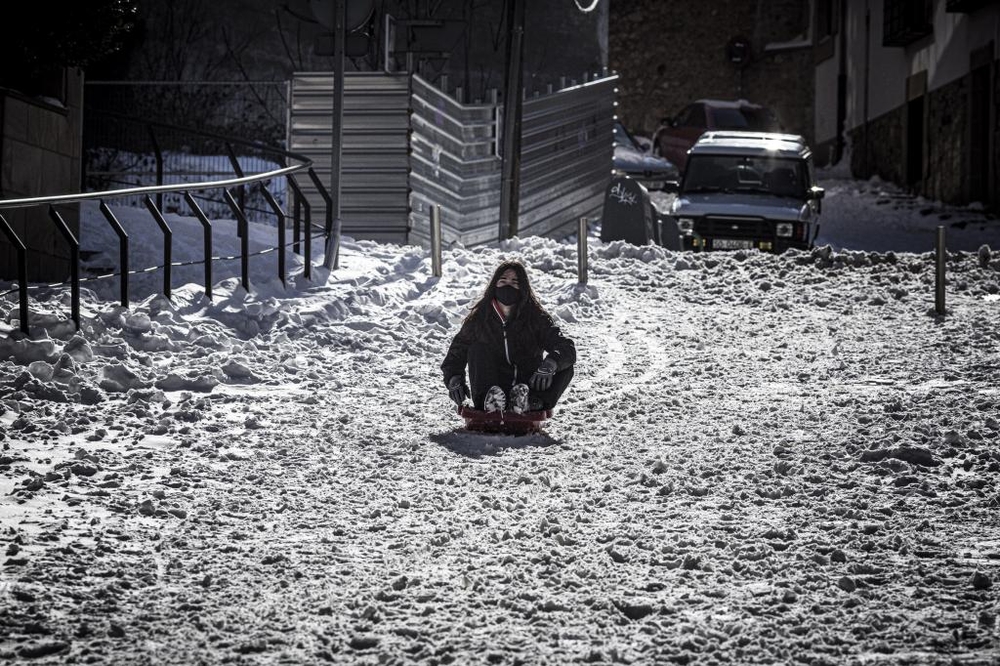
738	173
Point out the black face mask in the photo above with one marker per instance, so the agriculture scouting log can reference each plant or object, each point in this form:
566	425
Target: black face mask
508	295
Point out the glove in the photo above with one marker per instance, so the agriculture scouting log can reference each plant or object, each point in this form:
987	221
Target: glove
542	379
458	390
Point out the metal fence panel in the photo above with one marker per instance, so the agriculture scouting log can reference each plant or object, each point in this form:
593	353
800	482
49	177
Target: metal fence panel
566	153
453	164
374	161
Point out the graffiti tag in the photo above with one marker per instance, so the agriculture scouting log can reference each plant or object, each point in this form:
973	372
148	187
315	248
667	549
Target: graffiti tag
622	195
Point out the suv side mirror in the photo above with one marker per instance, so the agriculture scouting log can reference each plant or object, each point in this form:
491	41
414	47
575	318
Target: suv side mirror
816	194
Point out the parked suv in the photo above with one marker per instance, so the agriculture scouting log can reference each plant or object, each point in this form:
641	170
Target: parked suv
676	135
745	190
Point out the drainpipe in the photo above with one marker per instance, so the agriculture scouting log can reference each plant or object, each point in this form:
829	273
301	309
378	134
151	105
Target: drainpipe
841	83
868	45
994	193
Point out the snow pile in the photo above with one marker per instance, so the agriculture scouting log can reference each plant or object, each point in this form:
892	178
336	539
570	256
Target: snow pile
761	459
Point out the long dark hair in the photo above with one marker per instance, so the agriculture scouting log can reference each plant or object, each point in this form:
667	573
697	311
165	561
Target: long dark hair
527	304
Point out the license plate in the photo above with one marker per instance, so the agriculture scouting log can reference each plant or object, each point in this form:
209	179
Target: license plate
731	244
655	184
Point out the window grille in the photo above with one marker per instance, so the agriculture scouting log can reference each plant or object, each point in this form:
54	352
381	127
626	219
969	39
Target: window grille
906	21
965	6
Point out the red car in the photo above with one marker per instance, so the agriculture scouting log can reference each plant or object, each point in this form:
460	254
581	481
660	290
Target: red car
676	135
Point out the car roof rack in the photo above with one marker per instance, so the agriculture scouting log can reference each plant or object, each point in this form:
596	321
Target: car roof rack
790	145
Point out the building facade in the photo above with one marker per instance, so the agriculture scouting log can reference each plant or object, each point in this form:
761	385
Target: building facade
909	90
669	54
40	155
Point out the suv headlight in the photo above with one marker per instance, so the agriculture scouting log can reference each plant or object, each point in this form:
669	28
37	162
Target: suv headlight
784	229
685	224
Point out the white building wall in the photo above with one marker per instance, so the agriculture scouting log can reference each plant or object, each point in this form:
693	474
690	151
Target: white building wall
887	67
826	100
944	56
956	36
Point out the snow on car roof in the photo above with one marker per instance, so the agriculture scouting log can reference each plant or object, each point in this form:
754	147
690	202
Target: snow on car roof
729	103
751	143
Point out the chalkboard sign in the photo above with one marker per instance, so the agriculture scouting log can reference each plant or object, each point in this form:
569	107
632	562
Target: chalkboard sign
628	213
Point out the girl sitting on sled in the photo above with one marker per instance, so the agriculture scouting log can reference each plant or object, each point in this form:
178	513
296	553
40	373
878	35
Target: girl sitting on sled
517	357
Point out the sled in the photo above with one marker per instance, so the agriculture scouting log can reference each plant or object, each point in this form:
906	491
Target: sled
503	422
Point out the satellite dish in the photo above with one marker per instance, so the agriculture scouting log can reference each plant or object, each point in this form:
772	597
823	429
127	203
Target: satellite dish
358	13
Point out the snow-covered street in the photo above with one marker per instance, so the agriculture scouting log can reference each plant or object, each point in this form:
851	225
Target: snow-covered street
761	460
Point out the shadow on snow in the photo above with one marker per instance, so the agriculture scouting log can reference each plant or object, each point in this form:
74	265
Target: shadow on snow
478	444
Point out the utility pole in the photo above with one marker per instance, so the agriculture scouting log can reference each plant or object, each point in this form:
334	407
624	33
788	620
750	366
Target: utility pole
512	104
332	260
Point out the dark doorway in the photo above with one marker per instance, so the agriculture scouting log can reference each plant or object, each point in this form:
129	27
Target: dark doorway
915	142
979	136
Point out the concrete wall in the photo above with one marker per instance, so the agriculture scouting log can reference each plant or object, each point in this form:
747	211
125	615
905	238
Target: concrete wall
669	54
40	154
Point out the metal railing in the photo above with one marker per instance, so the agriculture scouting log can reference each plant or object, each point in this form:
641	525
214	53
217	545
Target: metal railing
121	151
231	190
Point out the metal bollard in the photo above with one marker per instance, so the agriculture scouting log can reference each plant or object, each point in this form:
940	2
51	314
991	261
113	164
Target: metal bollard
581	250
436	241
939	277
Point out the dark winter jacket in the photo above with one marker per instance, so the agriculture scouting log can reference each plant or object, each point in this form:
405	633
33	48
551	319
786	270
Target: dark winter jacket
526	334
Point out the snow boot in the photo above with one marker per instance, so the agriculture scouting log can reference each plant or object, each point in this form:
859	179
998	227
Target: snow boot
519	398
495	400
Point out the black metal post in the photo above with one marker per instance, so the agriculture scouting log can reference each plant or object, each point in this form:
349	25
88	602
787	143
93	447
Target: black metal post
122	250
22	272
512	105
74	264
280	214
207	230
241	222
300	198
939	274
159	164
241	190
296	216
167	242
326	198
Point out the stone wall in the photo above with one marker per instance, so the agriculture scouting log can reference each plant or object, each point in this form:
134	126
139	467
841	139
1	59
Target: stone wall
946	146
671	53
881	153
40	153
946	142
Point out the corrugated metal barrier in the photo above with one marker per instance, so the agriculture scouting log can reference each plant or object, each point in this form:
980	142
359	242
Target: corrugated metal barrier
374	180
409	146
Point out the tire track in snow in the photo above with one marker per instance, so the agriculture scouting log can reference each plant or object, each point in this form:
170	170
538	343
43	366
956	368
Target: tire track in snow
630	358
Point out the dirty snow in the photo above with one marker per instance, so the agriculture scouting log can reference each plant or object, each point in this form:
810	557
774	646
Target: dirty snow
762	459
